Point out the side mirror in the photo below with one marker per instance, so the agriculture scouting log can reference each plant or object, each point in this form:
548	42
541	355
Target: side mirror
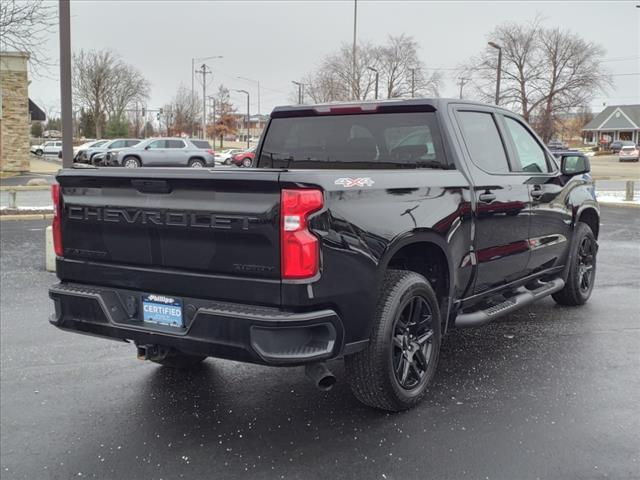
574	165
147	147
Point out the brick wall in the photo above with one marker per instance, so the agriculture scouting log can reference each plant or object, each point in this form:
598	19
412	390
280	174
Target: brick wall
14	121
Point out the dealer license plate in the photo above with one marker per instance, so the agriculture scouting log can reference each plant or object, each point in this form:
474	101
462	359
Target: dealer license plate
162	310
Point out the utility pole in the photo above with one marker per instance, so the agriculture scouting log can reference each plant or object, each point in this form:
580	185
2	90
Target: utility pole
65	83
193	71
355	24
376	71
248	117
499	48
300	95
413	82
462	83
204	71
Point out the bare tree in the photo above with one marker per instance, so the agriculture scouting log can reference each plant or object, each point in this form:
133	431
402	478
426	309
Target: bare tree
24	24
105	85
402	71
129	87
546	72
182	113
92	84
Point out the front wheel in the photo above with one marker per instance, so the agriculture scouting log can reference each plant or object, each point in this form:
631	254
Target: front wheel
395	369
39	153
582	268
246	162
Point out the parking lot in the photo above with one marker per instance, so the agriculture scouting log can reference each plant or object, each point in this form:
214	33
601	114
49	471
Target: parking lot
548	392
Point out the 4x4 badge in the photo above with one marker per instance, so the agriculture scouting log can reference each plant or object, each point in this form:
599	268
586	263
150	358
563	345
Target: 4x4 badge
354	182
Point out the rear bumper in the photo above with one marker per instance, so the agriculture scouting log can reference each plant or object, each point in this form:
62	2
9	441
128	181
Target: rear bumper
245	333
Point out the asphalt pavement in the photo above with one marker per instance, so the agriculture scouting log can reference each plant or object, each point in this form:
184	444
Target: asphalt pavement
548	392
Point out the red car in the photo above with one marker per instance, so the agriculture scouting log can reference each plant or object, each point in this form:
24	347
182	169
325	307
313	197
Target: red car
244	159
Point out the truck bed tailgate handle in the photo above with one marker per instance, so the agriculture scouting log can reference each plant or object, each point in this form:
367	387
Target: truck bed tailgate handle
151	186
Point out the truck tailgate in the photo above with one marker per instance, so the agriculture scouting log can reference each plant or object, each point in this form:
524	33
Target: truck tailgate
200	222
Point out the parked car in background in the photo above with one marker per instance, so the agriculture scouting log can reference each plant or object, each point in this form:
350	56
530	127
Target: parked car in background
616	145
244	158
162	152
88	155
47	148
88	145
628	153
224	157
556	145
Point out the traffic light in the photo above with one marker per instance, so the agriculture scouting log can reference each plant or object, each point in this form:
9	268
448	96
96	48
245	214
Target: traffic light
160	111
158	116
144	111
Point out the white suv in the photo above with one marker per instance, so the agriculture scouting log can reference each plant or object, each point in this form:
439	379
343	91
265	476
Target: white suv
47	148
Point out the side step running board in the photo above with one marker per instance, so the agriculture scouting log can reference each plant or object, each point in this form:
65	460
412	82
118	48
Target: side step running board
524	297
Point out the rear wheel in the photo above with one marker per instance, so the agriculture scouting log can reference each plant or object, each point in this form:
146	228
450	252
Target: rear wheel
131	162
196	163
582	268
395	370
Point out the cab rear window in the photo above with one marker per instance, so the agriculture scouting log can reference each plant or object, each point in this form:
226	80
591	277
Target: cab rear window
367	140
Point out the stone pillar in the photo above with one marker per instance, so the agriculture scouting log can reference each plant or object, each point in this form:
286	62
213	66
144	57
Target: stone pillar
14	113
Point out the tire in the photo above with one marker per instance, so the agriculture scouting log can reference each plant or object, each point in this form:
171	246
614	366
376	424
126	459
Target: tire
39	153
180	361
376	373
227	161
582	268
196	163
246	162
131	162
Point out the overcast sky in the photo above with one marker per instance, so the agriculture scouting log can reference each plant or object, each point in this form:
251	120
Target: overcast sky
277	42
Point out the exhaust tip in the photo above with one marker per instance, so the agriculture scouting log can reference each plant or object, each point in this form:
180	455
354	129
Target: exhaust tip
320	376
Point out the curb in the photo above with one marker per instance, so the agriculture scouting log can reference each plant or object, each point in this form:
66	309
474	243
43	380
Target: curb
26	216
19	188
619	204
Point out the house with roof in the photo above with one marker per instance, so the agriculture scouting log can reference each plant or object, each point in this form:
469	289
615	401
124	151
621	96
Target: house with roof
616	122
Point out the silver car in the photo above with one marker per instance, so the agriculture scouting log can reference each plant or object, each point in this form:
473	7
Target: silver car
88	155
164	152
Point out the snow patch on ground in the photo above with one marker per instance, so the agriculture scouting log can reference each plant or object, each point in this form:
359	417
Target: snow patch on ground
613	196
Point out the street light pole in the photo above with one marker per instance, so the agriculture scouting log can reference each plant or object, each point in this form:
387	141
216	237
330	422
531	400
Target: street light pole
355	24
247	93
462	83
258	84
377	74
65	83
413	82
498	73
204	70
299	91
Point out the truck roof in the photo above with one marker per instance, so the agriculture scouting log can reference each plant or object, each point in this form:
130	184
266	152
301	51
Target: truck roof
370	105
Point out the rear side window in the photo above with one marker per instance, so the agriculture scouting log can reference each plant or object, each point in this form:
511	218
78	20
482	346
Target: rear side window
117	144
366	140
131	143
203	144
483	141
174	144
530	153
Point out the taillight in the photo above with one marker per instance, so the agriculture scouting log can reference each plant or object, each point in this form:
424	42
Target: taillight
55	226
211	152
300	250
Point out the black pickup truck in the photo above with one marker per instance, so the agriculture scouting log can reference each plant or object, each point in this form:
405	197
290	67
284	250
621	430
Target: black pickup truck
364	231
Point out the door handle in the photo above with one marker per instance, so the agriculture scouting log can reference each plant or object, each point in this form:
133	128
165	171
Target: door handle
487	197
